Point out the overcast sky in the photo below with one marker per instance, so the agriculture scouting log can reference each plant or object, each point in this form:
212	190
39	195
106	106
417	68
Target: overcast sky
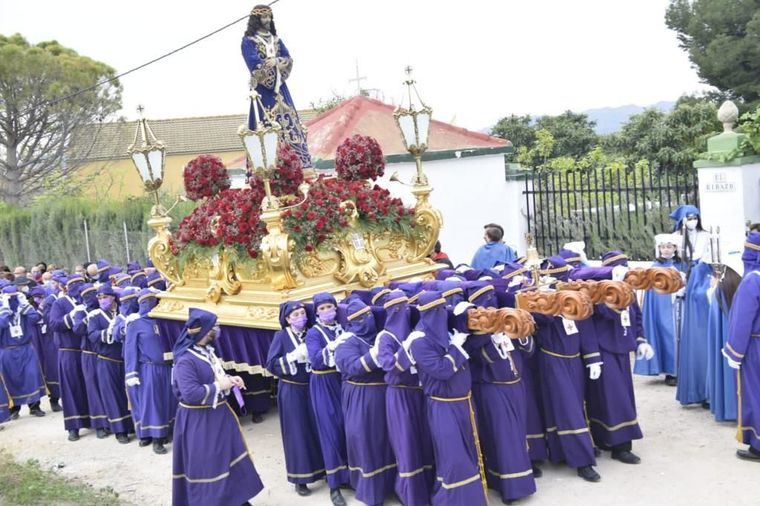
475	61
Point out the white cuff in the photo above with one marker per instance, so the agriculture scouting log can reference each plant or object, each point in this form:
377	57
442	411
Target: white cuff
461	350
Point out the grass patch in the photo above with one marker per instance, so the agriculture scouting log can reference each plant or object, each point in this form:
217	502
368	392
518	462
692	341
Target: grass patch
30	484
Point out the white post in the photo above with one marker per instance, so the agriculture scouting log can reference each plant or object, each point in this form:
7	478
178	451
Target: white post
87	240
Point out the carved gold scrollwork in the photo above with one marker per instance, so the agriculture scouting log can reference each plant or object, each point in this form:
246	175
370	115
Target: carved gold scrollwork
213	293
357	261
277	250
428	222
160	252
318	264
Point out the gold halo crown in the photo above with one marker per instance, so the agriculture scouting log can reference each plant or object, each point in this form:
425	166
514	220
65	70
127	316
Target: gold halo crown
260	10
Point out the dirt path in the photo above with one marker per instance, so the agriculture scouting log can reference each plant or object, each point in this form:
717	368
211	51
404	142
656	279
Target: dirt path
688	459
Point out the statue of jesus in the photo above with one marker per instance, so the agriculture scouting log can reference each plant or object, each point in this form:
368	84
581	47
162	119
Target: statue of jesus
270	64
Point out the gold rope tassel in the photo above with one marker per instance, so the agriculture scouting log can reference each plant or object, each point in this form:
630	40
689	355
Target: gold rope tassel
481	466
739	431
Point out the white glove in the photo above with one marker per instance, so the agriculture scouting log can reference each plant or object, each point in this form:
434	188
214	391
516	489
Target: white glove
132	317
619	272
594	371
134	381
644	351
458	338
109	332
4	302
407	344
462	307
374	351
334	344
733	364
516	281
22	300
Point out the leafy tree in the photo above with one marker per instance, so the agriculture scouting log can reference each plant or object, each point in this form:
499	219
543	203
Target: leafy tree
669	142
41	137
326	104
722	38
573	133
517	129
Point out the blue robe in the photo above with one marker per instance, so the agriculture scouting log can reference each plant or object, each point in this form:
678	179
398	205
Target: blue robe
658	312
325	390
153	402
281	105
19	364
110	373
303	456
721	379
211	463
743	346
6	403
73	391
692	353
491	254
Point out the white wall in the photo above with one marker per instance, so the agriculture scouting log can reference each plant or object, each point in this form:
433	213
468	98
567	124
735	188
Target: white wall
469	192
728	197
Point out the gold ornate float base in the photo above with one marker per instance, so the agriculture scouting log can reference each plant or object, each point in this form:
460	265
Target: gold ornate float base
257	305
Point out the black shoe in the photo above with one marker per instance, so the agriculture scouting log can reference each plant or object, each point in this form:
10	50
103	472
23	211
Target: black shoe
752	455
705	405
101	433
145	442
336	497
257	418
303	490
55	407
15	415
158	447
671	381
597	452
588	474
626	457
36	412
122	438
74	435
537	472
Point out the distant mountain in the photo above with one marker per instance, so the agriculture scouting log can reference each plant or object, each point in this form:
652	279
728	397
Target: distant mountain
610	119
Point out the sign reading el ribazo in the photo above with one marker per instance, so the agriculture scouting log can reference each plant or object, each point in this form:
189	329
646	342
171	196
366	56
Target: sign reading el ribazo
720	184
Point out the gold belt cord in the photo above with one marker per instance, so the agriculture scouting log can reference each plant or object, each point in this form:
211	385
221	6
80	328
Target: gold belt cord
481	466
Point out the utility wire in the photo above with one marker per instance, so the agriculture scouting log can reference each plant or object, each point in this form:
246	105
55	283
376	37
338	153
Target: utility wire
139	67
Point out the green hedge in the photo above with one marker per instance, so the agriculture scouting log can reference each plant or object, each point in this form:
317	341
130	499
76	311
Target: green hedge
52	230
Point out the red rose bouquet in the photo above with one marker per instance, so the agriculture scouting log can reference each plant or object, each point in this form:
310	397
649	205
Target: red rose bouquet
205	176
359	158
287	176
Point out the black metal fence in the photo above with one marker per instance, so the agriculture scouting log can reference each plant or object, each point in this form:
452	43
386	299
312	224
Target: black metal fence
610	208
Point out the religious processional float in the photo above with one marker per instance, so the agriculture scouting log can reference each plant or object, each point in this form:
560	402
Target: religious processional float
292	233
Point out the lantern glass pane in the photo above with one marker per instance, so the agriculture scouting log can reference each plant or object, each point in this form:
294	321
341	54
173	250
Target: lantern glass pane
253	147
423	126
156	161
141	162
406	124
270	148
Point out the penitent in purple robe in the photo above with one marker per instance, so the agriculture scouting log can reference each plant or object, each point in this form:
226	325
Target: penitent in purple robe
611	401
303	456
19	364
563	348
371	463
445	377
502	419
5	401
47	350
110	372
98	417
211	463
145	358
73	393
325	390
743	346
405	406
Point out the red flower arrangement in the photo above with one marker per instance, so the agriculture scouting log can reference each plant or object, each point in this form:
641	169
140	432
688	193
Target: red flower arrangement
197	227
205	176
359	158
287	176
238	223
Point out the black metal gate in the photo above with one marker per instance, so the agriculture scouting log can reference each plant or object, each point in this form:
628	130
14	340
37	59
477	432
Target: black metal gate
609	208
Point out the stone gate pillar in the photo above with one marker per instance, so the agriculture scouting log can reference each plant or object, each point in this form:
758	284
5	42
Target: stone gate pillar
729	185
